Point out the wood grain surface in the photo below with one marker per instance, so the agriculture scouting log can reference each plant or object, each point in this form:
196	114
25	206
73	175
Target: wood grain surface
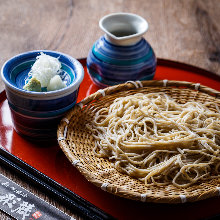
184	30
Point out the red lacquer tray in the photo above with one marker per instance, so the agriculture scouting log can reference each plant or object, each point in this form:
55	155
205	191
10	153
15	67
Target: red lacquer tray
52	162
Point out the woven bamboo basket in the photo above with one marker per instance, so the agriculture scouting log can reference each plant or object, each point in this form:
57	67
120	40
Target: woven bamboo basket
77	143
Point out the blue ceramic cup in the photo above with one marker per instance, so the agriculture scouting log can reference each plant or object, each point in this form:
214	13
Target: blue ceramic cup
36	115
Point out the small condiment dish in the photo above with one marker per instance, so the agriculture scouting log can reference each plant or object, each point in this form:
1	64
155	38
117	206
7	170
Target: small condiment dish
36	115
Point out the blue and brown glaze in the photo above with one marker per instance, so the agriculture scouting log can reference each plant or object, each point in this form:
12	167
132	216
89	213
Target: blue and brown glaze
110	64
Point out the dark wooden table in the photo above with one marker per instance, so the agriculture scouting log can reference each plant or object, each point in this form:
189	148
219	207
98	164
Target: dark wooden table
185	30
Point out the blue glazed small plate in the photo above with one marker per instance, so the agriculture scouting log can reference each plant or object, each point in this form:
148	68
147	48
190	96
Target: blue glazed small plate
36	114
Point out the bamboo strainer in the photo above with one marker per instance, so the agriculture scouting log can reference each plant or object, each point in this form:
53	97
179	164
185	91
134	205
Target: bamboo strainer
77	143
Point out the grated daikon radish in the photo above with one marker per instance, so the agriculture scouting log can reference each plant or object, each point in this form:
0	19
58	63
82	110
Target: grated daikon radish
55	83
44	68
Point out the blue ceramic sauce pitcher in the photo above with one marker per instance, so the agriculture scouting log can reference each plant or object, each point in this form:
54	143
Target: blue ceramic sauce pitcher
122	54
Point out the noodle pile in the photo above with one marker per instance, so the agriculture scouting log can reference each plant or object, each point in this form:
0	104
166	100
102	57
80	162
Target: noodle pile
158	141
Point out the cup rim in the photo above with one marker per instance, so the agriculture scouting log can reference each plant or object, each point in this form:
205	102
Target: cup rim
101	21
72	87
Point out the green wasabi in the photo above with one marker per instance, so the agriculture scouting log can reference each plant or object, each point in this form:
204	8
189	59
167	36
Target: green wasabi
33	85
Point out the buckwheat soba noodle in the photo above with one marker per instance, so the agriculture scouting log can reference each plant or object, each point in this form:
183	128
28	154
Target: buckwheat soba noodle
158	141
